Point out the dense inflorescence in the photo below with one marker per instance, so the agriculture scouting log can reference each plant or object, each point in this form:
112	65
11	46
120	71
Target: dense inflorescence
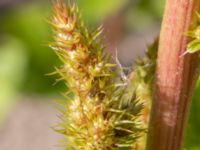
102	111
142	79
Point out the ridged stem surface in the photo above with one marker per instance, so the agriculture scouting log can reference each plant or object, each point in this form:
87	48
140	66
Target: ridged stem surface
175	78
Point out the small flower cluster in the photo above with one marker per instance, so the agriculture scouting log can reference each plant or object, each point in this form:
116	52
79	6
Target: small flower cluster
103	111
142	79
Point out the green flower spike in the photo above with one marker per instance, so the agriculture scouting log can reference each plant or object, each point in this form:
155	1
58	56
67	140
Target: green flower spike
100	113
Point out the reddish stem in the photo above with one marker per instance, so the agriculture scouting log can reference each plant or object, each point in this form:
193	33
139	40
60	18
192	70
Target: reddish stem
175	78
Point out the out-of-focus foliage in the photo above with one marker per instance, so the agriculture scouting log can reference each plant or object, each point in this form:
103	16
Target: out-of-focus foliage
144	13
97	10
28	25
193	131
12	67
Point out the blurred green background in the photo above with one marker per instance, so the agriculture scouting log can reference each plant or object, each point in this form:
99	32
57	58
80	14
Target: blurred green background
25	58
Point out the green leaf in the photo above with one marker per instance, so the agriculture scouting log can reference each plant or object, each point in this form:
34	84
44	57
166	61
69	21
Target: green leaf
193	46
198	14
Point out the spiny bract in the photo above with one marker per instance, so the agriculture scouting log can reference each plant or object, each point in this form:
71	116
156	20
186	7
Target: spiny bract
101	111
142	79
